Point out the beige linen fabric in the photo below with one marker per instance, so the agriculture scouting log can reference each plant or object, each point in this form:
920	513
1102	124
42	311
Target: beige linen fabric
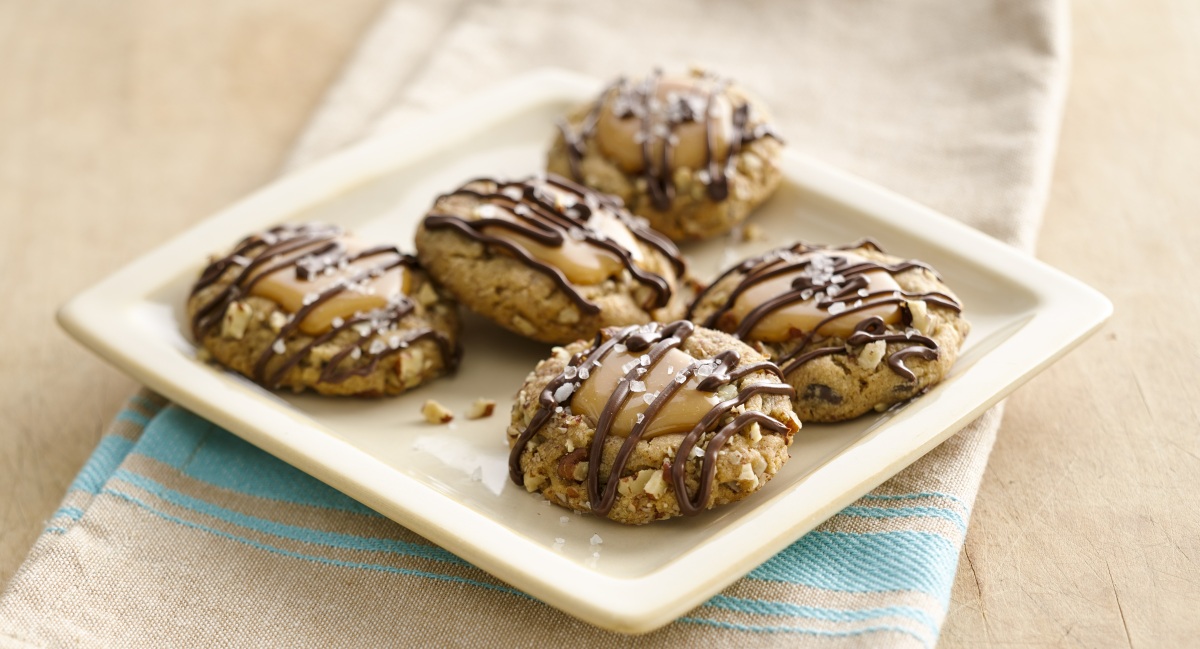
954	103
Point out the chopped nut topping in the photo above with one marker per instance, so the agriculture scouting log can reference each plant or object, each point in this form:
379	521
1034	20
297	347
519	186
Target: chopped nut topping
427	296
436	413
871	354
523	326
755	432
535	482
568	316
277	320
920	315
237	316
634	485
747	475
656	486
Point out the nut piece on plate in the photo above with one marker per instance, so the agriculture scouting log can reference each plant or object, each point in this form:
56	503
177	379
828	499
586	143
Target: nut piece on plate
649	422
549	259
436	413
854	329
481	408
311	307
694	154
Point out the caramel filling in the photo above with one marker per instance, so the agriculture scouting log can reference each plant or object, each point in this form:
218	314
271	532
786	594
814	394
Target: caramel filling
803	316
581	262
686	407
362	292
623	129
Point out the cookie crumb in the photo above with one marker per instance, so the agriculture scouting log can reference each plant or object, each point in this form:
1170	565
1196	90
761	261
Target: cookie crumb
481	408
436	413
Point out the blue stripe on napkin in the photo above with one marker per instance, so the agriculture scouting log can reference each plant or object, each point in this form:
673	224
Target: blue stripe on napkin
882	560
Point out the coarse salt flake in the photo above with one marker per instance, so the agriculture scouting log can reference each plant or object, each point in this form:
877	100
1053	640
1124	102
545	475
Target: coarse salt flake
279	347
563	392
837	307
596	540
637	386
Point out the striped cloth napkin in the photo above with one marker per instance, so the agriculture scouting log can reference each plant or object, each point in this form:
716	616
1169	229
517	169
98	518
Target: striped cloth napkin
177	532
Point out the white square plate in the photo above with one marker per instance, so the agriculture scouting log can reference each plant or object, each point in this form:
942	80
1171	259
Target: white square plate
450	485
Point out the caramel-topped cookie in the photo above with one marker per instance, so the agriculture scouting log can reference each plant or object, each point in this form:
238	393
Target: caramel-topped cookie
693	154
852	328
309	306
550	259
649	422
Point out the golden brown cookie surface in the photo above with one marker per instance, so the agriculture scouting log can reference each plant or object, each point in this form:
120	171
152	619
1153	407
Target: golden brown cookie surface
650	422
853	328
694	154
549	259
310	307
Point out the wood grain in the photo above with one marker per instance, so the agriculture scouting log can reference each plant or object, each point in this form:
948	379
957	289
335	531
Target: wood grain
1086	531
123	123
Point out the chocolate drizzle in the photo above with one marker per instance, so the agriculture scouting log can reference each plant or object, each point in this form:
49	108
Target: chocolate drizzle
540	214
314	250
839	288
658	122
655	341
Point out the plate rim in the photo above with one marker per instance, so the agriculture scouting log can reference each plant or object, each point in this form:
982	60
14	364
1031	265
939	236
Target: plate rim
98	317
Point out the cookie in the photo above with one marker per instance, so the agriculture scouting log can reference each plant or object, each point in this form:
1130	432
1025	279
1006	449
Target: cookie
853	329
310	307
693	154
549	259
649	422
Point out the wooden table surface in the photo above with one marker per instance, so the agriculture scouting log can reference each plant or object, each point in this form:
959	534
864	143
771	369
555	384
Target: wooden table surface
123	123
